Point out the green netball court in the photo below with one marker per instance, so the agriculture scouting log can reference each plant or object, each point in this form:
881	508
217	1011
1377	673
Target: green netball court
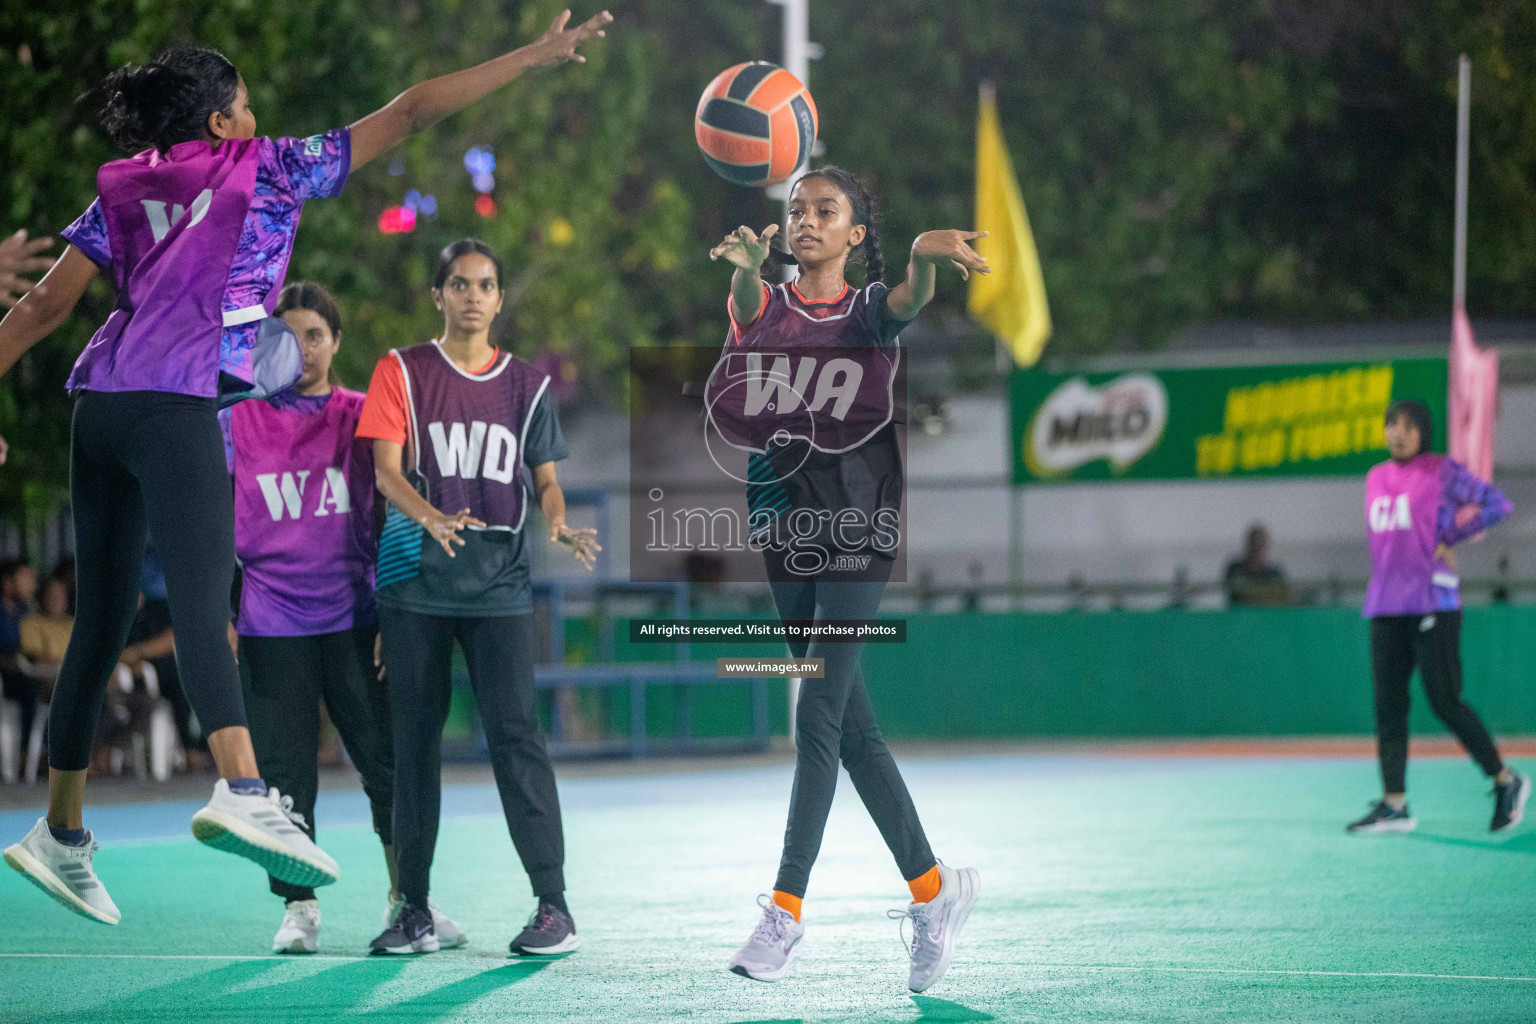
1115	887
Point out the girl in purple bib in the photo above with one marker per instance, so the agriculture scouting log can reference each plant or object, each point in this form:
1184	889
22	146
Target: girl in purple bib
306	540
196	230
1418	507
831	223
465	437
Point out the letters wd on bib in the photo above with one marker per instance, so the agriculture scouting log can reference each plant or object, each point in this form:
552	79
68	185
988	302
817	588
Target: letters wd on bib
1306	419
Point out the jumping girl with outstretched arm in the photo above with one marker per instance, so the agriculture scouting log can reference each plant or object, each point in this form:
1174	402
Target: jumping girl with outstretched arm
196	230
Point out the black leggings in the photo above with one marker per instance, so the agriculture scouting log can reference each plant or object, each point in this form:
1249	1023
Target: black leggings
833	720
285	679
1433	643
147	462
418	660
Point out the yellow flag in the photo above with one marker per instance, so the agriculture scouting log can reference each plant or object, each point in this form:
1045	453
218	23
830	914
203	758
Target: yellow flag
1010	301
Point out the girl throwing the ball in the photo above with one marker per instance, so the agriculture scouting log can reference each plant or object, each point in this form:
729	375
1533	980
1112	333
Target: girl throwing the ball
831	223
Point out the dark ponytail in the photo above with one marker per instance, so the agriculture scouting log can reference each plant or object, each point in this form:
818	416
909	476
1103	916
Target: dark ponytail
463	247
165	102
318	300
866	253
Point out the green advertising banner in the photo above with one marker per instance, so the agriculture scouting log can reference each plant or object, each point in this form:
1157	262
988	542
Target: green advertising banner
1214	423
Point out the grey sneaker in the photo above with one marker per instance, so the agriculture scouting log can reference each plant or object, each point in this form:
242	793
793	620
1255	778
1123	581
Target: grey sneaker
449	934
773	947
549	932
63	872
264	829
409	932
936	925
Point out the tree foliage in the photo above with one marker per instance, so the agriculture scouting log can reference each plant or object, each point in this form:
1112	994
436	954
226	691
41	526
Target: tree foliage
1181	160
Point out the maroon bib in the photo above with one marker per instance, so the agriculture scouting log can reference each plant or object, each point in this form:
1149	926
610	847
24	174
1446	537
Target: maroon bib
467	433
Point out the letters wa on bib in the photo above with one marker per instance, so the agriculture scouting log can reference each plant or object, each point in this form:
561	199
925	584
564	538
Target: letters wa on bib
809	391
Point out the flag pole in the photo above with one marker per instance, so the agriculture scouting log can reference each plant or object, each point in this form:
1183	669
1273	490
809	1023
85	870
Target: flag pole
987	94
1003	356
1463	155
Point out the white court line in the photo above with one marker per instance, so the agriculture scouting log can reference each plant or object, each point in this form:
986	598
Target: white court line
1252	970
305	958
309	958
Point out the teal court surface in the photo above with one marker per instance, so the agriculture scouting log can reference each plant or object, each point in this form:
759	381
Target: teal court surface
1116	886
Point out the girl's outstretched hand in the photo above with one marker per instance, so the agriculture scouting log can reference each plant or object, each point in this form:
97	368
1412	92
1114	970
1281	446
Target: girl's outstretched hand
744	248
582	542
445	529
558	45
938	246
19	256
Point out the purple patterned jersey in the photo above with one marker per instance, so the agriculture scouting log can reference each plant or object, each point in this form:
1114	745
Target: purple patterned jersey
288	171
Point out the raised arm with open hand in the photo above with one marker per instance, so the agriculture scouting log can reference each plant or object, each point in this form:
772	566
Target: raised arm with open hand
930	249
747	251
427	103
19	256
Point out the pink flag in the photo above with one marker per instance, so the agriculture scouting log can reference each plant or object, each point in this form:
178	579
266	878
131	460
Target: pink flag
1473	399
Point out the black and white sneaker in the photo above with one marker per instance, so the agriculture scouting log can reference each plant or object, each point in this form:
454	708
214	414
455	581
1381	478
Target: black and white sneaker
411	931
1509	802
550	931
1384	818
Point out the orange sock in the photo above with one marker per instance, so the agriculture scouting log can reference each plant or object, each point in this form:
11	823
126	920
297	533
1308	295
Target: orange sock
792	903
925	887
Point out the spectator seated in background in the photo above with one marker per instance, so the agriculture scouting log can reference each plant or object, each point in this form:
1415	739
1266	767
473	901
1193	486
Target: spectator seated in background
1252	579
64	572
45	636
18	583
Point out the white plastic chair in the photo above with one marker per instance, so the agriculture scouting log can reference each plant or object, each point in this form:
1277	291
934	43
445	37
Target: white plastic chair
154	751
10	741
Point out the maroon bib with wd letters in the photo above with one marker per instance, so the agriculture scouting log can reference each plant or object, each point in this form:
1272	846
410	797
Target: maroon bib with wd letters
467	433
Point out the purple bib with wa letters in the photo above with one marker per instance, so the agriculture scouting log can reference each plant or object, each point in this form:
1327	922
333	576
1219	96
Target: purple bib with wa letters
467	432
174	222
304	528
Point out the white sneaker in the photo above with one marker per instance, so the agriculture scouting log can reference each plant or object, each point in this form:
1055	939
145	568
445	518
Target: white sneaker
300	932
63	872
449	934
773	947
936	925
263	829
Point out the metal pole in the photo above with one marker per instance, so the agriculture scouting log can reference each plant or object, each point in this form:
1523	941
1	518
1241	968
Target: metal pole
1463	156
1016	538
794	704
798	53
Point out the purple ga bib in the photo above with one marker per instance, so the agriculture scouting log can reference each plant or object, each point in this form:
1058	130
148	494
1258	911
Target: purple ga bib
1402	508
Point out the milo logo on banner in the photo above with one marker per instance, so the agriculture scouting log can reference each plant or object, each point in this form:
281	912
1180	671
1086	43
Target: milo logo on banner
1119	421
